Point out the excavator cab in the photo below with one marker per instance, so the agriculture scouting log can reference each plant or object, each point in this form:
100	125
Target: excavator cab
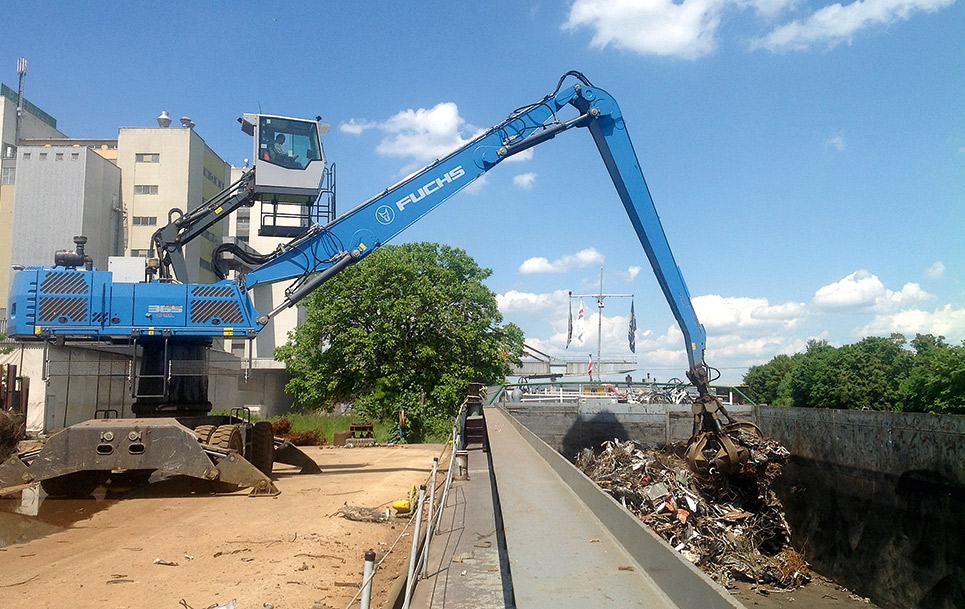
289	159
289	169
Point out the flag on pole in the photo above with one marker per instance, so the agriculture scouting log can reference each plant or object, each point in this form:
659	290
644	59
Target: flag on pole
589	369
580	325
632	332
569	325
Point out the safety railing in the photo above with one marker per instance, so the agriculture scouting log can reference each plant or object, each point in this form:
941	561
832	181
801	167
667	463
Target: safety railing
633	393
426	502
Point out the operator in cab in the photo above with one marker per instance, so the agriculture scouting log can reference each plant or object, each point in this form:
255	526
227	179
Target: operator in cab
277	148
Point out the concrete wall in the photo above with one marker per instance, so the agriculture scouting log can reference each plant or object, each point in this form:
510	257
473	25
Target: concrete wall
568	428
82	380
102	217
877	500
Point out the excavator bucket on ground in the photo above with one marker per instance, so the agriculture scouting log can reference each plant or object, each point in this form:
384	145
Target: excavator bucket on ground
133	450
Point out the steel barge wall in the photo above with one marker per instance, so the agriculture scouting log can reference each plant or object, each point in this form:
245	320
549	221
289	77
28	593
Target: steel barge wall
877	500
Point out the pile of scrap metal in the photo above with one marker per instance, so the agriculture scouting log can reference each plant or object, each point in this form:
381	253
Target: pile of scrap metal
731	526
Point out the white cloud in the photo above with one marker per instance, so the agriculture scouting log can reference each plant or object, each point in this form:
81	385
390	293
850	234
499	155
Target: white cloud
424	134
514	301
520	156
579	260
356	126
525	180
768	8
935	271
836	142
741	331
690	28
911	294
732	313
476	186
859	289
945	321
834	24
686	28
632	272
862	289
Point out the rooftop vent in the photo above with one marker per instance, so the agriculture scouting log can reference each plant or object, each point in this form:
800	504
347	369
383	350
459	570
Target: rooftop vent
164	120
187	123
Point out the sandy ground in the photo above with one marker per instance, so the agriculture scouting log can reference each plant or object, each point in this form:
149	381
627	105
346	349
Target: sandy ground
288	550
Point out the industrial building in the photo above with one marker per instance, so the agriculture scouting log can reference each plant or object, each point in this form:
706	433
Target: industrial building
165	169
30	122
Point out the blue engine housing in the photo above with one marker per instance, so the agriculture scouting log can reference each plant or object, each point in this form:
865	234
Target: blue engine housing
77	303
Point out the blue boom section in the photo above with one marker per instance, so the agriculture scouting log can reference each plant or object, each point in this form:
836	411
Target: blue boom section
43	304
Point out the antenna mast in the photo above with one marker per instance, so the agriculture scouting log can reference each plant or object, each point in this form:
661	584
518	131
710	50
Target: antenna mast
22	71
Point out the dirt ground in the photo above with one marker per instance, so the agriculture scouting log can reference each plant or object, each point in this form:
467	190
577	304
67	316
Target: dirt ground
821	593
289	551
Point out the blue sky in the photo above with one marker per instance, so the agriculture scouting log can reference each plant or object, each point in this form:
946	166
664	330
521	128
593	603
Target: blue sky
807	159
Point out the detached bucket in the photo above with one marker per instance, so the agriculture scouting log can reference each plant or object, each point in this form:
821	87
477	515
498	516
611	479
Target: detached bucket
462	465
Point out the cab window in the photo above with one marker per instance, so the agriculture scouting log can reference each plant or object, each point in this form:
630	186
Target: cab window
288	143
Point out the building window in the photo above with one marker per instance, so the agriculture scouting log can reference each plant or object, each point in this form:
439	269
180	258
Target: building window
139	253
26	156
74	156
214	180
59	156
43	156
145	189
7	176
9	151
145	220
147	157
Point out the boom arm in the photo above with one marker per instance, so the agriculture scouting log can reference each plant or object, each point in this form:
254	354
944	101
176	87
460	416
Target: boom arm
363	229
169	241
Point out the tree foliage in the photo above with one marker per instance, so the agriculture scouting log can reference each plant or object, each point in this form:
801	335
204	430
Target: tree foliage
875	373
407	328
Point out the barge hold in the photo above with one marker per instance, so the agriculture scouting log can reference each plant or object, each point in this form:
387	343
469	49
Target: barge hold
525	549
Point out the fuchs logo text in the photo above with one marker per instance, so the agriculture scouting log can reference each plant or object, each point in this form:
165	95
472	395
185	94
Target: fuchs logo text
451	176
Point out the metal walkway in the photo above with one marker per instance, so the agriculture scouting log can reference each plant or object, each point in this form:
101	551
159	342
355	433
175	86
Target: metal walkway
524	532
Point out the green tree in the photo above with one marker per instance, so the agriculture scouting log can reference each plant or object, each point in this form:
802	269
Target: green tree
812	375
408	327
863	375
936	380
766	382
875	373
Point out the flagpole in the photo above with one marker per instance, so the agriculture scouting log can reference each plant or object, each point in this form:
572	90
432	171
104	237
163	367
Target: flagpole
599	302
599	327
